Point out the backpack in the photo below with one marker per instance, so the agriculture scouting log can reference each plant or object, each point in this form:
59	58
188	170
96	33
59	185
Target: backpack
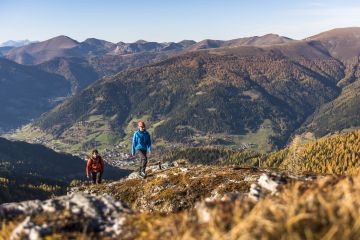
98	163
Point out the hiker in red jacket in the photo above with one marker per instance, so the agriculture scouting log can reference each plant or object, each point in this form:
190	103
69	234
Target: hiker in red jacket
95	166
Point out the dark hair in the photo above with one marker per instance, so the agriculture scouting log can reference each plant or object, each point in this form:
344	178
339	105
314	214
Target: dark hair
94	151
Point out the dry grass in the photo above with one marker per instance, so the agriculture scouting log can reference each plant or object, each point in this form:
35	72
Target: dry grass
326	209
174	190
6	229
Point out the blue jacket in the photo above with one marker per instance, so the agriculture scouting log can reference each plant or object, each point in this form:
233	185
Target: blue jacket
141	141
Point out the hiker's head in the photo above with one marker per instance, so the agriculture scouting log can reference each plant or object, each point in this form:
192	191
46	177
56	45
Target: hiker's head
141	125
95	153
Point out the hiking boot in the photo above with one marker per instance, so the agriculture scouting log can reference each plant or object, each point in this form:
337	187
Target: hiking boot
142	174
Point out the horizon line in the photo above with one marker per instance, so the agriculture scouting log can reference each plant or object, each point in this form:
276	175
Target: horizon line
259	35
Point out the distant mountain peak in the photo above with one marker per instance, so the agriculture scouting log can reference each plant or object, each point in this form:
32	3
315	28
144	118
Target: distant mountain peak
16	43
336	32
141	41
63	39
95	40
42	51
271	35
342	43
187	41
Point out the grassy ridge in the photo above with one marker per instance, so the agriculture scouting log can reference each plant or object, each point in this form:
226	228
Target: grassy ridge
176	189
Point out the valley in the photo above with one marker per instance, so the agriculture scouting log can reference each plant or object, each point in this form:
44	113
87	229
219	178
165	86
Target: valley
254	137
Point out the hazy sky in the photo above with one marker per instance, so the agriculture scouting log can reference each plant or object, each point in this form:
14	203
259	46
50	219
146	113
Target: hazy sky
172	20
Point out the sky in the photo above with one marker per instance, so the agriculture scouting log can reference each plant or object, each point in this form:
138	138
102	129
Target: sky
172	20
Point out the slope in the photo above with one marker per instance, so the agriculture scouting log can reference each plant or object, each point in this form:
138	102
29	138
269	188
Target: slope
201	95
341	113
337	154
27	92
30	171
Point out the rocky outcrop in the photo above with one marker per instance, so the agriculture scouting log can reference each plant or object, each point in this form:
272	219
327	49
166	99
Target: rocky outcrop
176	186
100	211
268	183
91	214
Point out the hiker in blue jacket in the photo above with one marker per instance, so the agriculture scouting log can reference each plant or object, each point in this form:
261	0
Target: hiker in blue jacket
141	146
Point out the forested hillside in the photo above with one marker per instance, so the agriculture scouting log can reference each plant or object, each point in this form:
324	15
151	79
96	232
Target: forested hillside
236	92
339	153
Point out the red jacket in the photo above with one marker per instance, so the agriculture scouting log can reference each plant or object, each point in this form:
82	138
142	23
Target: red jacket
95	165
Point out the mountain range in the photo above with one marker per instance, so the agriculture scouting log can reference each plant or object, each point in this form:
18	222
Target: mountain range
80	64
63	46
258	90
18	43
232	91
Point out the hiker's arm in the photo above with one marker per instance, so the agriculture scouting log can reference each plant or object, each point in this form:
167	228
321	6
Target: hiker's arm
88	167
149	147
133	145
102	165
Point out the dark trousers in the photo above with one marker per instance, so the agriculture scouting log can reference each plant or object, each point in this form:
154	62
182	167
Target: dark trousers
141	154
96	177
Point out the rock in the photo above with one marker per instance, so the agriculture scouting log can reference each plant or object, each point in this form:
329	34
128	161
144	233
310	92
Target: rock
267	183
272	181
181	162
167	165
27	230
153	168
214	196
255	192
133	175
162	175
102	213
22	229
10	210
183	169
250	178
230	197
160	166
203	212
